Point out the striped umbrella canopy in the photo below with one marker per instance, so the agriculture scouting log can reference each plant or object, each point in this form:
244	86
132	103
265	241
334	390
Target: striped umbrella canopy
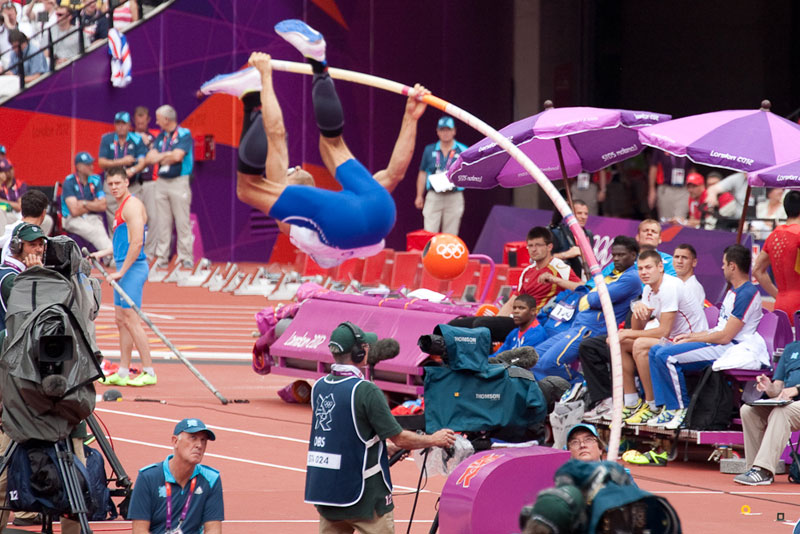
593	139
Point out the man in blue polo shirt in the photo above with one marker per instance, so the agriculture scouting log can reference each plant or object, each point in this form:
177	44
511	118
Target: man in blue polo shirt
121	148
173	152
441	208
83	202
179	494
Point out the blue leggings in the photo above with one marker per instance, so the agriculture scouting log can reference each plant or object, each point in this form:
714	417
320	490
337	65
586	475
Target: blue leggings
361	214
668	365
557	354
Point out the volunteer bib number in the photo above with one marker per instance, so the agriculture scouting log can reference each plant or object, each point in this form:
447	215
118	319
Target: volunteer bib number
324	460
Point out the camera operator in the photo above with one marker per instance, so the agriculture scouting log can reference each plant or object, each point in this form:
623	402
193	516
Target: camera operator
26	250
347	475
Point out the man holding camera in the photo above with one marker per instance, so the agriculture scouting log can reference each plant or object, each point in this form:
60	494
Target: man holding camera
347	476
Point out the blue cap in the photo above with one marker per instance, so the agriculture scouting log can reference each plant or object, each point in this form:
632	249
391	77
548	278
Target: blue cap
2	150
193	425
446	122
583	426
122	116
84	157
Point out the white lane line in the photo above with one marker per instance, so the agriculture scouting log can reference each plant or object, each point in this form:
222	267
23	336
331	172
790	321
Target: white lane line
168	355
245	460
225	429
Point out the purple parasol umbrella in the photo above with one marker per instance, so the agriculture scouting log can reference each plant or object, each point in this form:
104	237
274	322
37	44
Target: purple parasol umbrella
784	175
594	138
742	140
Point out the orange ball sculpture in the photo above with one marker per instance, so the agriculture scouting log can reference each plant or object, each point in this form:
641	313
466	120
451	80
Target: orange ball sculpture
445	256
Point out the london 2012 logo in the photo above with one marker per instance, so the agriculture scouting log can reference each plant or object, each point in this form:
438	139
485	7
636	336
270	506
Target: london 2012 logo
325	406
450	250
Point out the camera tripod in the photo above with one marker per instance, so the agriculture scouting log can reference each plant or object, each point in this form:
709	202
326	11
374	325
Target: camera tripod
65	463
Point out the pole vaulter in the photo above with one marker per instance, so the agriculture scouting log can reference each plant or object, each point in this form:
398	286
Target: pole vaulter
526	163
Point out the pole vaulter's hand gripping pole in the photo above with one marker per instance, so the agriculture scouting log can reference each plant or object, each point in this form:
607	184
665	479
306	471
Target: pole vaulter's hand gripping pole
153	327
544	183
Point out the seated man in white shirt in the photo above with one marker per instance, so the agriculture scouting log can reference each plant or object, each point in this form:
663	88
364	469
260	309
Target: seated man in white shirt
678	312
684	259
33	204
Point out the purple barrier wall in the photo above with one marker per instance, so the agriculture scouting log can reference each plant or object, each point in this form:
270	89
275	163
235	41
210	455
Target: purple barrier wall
193	40
302	350
487	490
512	224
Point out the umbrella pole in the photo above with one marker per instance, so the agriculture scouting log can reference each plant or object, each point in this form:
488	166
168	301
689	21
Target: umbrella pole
549	189
744	215
564	173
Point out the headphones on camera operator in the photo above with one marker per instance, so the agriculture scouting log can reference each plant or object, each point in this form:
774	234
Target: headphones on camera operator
357	353
15	245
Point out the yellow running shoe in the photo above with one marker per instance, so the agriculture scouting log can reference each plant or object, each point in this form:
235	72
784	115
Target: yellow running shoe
642	416
144	379
116	380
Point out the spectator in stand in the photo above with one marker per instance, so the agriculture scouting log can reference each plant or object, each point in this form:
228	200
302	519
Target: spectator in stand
564	246
736	185
120	148
145	187
677	311
11	15
95	21
11	189
125	14
768	212
149	5
34	64
40	15
666	177
532	280
68	46
526	334
780	253
557	353
441	211
173	153
738	322
83	203
768	428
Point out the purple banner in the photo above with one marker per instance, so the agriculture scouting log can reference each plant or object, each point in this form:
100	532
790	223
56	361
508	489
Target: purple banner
512	224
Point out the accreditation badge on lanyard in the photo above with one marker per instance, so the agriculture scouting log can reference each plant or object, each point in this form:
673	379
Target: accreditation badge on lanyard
177	529
678	173
164	144
583	181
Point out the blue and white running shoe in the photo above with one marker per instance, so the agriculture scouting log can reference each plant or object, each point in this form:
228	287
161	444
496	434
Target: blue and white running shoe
303	37
236	83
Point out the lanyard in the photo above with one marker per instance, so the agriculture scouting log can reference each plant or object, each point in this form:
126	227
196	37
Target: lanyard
450	157
124	148
80	185
168	487
171	141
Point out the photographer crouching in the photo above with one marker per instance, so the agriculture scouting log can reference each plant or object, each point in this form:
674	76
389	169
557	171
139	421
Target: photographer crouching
351	422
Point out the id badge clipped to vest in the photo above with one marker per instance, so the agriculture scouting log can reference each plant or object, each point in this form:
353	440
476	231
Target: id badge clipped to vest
583	181
440	183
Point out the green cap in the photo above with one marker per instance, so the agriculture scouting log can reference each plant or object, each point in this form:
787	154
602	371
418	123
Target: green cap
28	232
559	508
343	338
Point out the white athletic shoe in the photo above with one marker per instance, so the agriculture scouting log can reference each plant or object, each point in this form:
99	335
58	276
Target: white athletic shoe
303	37
236	83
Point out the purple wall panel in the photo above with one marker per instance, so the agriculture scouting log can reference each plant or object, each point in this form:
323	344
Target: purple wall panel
461	51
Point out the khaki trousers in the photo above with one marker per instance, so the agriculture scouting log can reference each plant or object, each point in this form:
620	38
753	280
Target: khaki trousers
90	227
377	525
173	203
146	192
672	202
442	211
766	433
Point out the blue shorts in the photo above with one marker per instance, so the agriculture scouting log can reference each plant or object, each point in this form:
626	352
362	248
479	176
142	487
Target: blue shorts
132	283
361	214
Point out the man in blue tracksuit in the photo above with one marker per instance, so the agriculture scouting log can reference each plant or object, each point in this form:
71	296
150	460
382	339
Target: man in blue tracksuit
558	353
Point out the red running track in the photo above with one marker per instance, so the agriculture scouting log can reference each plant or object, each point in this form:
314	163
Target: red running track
261	445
